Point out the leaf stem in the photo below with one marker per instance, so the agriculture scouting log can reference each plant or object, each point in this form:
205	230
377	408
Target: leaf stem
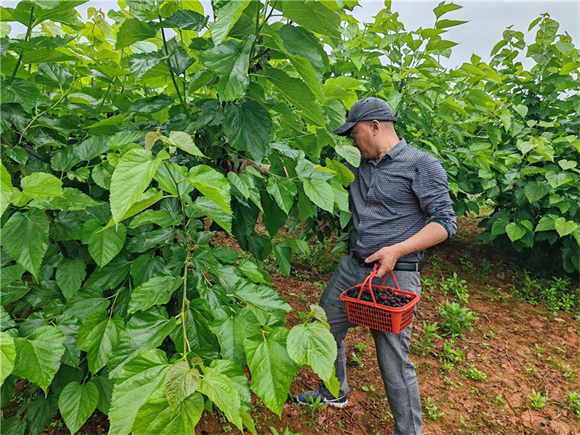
183	314
26	39
168	64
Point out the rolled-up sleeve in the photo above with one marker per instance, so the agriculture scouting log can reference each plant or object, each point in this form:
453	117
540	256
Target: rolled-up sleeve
432	189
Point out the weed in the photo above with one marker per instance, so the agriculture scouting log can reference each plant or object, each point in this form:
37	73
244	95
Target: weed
574	403
286	431
473	373
499	400
490	334
485	266
435	261
457	287
428	284
430	409
451	354
537	401
530	368
455	319
539	349
427	343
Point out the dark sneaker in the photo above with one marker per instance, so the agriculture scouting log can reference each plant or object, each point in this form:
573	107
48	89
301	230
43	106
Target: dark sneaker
314	397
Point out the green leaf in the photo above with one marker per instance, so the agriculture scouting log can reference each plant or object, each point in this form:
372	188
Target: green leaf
261	297
248	127
184	141
136	382
38	356
180	383
283	191
556	180
521	109
546	223
283	254
77	403
7	356
132	175
70	274
231	65
163	218
133	30
350	154
5	189
146	330
221	391
205	207
226	18
156	291
212	184
40	185
97	336
25	238
515	231
157	417
187	20
147	200
231	331
297	93
535	191
141	63
272	372
71	200
312	15
314	345
320	193
19	91
251	270
105	245
443	8
564	227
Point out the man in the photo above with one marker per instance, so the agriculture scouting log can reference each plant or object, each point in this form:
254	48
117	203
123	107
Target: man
400	206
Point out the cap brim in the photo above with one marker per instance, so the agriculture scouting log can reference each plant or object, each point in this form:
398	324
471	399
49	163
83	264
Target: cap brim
345	128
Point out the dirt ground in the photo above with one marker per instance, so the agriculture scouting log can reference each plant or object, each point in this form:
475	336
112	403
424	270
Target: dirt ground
520	347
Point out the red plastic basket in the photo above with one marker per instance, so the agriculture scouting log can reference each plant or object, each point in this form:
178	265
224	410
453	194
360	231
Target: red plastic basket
374	315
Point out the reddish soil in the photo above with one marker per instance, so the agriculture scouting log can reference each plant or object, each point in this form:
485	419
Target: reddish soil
518	346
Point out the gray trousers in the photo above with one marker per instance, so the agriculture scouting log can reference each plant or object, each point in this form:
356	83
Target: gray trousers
397	371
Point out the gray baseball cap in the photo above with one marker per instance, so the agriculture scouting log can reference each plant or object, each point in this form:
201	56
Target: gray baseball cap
367	109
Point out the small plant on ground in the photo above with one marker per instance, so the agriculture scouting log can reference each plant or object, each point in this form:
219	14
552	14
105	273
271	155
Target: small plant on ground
457	287
574	403
430	409
455	319
537	400
426	343
451	354
473	373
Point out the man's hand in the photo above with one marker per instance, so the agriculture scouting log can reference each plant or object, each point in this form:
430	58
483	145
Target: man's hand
387	257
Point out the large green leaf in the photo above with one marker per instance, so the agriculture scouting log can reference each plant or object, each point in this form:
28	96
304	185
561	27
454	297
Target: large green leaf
205	207
71	200
283	191
40	185
25	238
19	91
230	62
97	336
146	330
136	382
7	356
184	141
515	231
5	189
133	30
132	175
157	417
564	227
221	391
77	403
272	372
247	127
38	356
320	193
261	297
105	245
70	274
212	184
297	93
314	345
226	17
535	191
313	15
180	383
156	291
231	331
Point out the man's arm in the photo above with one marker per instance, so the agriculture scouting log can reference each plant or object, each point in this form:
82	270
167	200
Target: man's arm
431	234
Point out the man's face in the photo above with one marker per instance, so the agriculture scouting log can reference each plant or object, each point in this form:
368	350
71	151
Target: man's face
361	138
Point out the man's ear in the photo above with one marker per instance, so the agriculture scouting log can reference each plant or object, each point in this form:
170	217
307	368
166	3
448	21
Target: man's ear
375	126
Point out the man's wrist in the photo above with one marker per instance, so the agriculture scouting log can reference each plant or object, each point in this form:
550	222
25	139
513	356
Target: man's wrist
398	249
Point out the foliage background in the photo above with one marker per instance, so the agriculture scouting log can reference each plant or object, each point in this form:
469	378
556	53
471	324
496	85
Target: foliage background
117	139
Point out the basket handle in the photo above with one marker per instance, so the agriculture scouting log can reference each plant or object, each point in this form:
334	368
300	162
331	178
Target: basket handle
369	281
